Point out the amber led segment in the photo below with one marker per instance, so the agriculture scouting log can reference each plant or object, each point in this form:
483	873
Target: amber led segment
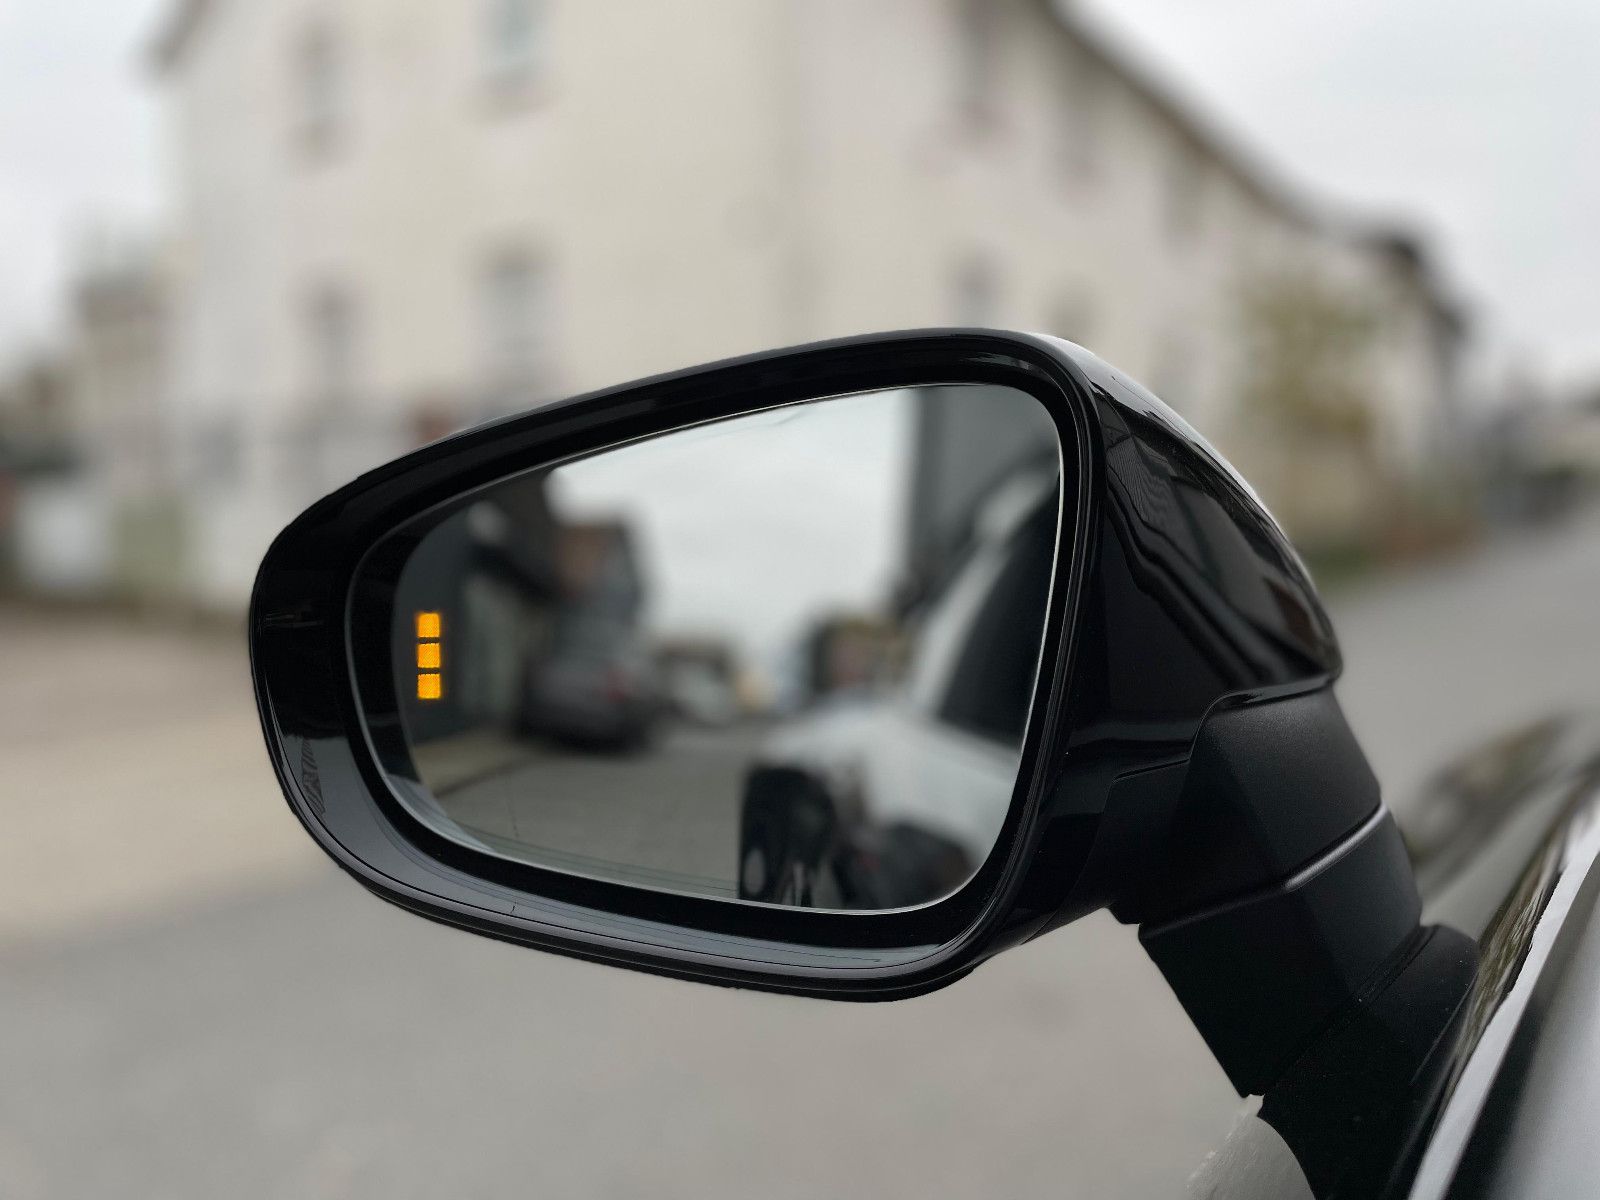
430	656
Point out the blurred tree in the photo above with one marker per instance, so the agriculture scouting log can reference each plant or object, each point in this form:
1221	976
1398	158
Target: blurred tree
1306	399
1308	359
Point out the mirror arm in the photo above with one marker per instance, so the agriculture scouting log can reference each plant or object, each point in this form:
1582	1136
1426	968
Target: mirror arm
1283	885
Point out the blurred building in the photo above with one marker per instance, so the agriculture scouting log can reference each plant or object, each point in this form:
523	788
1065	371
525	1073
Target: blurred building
961	458
1541	453
398	217
1565	435
36	452
36	422
138	454
97	506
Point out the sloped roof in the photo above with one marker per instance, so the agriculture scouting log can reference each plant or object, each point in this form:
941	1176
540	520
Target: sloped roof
184	18
1182	112
176	32
1405	248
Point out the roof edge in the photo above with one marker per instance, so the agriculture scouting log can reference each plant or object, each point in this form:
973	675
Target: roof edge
174	35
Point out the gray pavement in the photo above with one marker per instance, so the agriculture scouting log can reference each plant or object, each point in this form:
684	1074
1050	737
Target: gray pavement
194	1004
1441	658
667	815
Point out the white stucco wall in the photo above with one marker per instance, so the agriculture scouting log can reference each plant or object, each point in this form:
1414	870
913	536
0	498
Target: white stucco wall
697	179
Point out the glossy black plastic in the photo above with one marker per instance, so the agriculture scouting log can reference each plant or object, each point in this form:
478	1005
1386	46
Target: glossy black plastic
1175	596
1418	1089
1195	603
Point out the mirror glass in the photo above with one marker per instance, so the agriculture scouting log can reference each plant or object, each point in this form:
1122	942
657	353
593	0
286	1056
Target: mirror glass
784	658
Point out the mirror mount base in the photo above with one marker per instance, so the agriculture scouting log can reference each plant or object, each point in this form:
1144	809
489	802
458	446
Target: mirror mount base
1351	1104
1271	786
1278	885
1263	974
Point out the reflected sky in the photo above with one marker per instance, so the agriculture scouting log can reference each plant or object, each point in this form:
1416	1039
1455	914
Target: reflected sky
756	581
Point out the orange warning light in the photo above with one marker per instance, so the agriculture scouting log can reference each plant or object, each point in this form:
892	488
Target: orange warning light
430	656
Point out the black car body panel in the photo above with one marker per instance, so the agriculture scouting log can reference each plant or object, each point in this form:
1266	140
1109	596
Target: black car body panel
1503	1097
1527	858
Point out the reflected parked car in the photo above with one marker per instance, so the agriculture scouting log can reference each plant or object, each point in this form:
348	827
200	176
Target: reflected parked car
699	694
594	687
887	801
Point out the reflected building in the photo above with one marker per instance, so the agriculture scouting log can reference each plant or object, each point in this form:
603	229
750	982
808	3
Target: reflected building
961	456
534	604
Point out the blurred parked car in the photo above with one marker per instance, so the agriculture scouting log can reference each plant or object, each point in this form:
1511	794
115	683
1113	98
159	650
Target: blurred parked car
596	686
700	694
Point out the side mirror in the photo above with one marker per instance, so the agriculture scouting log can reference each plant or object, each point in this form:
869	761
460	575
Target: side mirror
835	671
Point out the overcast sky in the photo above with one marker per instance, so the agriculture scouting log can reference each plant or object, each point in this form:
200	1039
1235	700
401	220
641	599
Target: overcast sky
78	143
1477	120
800	513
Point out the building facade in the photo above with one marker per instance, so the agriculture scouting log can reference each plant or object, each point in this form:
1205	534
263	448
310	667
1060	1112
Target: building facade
395	217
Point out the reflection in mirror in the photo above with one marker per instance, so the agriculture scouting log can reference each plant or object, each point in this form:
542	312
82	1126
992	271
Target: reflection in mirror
784	658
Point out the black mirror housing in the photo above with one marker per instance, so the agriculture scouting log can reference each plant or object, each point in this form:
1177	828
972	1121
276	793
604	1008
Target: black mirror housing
1183	761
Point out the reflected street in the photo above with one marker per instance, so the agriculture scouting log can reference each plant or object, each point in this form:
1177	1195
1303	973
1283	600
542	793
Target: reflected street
503	790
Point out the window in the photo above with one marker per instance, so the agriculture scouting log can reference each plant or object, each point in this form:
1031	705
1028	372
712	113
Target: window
978	46
330	348
1080	122
325	447
1185	192
516	36
977	291
518	325
216	453
320	90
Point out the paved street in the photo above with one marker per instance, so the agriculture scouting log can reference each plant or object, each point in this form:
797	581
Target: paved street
1441	658
194	1004
668	813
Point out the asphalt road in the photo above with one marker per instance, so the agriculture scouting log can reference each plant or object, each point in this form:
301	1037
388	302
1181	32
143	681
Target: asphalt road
667	815
194	1004
1442	658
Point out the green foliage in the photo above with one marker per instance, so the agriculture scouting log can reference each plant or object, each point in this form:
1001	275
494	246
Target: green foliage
1308	357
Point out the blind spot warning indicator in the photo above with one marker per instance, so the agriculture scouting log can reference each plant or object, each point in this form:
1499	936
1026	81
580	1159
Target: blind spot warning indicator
430	656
